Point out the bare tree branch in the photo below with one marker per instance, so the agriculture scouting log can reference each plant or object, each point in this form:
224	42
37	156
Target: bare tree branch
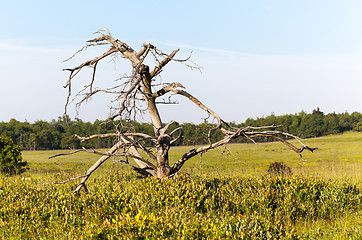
274	134
143	135
163	63
69	179
124	154
135	95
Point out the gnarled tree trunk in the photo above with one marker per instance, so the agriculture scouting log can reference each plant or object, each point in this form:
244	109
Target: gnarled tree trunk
142	87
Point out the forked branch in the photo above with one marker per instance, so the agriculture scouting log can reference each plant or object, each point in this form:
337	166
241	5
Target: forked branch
137	94
243	132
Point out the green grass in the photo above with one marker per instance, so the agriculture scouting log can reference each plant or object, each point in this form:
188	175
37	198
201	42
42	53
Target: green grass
227	197
338	156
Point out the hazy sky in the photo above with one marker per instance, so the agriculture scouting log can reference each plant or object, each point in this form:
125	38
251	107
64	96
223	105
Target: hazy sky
258	57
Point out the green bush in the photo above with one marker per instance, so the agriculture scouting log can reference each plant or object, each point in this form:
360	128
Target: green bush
11	161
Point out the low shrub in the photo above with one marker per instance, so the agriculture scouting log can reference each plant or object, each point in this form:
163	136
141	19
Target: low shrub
279	168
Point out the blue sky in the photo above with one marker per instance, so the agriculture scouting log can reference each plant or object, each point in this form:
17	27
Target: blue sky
258	57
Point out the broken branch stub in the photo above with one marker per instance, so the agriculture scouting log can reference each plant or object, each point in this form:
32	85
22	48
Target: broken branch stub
138	94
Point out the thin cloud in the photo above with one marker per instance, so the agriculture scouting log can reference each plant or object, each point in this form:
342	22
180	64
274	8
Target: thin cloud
219	51
19	48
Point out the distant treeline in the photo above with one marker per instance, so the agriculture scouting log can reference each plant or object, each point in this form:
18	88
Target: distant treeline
59	134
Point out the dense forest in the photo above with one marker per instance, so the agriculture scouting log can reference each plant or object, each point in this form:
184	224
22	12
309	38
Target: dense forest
59	134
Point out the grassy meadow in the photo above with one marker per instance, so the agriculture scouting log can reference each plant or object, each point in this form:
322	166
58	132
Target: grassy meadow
226	194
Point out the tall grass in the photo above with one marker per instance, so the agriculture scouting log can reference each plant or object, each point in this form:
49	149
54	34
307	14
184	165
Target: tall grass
121	206
228	197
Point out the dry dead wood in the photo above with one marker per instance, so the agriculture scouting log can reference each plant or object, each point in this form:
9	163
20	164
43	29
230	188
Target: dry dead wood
137	94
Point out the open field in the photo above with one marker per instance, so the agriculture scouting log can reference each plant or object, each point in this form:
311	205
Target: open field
338	156
227	197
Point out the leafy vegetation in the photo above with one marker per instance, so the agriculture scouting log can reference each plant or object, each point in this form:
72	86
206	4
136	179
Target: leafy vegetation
230	196
11	161
58	134
121	206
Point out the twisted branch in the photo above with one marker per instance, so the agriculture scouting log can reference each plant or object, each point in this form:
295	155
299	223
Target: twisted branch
136	94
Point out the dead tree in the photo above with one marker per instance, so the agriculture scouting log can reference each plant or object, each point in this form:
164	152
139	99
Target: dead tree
142	89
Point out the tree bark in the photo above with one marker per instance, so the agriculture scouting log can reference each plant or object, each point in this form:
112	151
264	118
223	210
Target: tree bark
141	87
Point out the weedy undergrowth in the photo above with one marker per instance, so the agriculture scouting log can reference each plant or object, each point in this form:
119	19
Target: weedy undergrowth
122	207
